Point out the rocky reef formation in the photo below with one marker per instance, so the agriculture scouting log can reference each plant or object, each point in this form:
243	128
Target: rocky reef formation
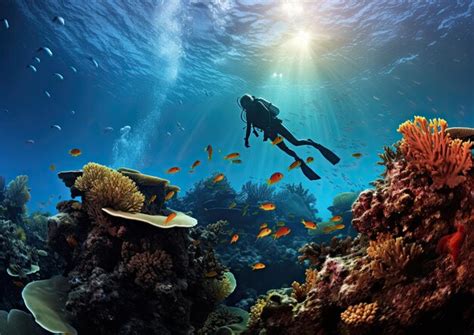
131	266
410	269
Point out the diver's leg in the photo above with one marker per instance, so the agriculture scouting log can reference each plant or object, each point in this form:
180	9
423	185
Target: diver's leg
283	147
283	131
307	171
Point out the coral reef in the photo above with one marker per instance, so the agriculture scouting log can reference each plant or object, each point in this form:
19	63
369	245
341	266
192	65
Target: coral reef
127	276
409	272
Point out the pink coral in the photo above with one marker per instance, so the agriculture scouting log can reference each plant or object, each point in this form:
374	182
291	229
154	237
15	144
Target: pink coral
428	147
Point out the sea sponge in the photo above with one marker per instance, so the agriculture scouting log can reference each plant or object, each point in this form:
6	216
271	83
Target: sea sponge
428	147
46	300
104	187
360	314
16	193
390	256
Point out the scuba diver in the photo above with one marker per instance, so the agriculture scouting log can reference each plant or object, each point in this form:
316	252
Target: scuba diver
261	114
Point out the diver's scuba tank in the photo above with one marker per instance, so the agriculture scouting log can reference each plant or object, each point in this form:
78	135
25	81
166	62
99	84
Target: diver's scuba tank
274	110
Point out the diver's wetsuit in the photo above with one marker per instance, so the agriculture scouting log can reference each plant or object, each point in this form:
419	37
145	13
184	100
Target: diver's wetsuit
260	117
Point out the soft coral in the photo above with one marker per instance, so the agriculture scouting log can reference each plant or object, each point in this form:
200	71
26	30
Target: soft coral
452	243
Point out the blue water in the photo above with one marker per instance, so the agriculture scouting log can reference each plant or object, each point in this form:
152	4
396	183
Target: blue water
361	69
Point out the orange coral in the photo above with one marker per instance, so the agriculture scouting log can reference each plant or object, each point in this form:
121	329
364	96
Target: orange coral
428	147
360	314
300	291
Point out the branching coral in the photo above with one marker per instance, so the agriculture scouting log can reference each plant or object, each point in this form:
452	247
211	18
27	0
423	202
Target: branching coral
428	147
391	256
360	314
104	187
150	268
16	193
256	312
300	291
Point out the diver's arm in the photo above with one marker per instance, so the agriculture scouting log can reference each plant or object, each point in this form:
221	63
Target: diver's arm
247	133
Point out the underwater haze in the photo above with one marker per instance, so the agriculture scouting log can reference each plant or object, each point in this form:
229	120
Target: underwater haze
153	85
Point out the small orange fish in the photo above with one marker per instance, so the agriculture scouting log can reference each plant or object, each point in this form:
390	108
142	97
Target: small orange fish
294	165
195	164
152	199
277	140
71	240
173	170
18	283
258	266
170	217
209	152
339	226
309	224
357	155
264	232
263	225
52	167
234	239
169	195
218	178
275	178
336	218
233	155
267	206
211	274
329	229
309	160
75	152
282	231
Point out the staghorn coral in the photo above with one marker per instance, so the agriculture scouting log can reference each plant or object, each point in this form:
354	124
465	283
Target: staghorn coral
360	314
428	147
105	187
391	256
150	268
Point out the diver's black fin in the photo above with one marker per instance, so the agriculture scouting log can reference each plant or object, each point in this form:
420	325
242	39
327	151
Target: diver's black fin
310	174
328	154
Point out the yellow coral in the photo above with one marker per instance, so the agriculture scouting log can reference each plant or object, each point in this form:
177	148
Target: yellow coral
390	256
255	312
360	314
428	147
104	187
300	291
219	289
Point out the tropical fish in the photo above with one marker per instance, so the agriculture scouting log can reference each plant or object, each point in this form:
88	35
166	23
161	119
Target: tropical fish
237	161
75	152
294	165
258	266
277	140
152	199
376	98
173	170
309	224
59	76
267	206
47	94
59	20
45	49
32	67
232	205
195	164
233	155
282	231
336	218
209	152
93	61
263	225
170	217
218	178
357	155
37	60
339	226
234	239
280	224
52	167
73	69
329	229
56	126
275	178
169	195
6	24
211	274
264	232
309	160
